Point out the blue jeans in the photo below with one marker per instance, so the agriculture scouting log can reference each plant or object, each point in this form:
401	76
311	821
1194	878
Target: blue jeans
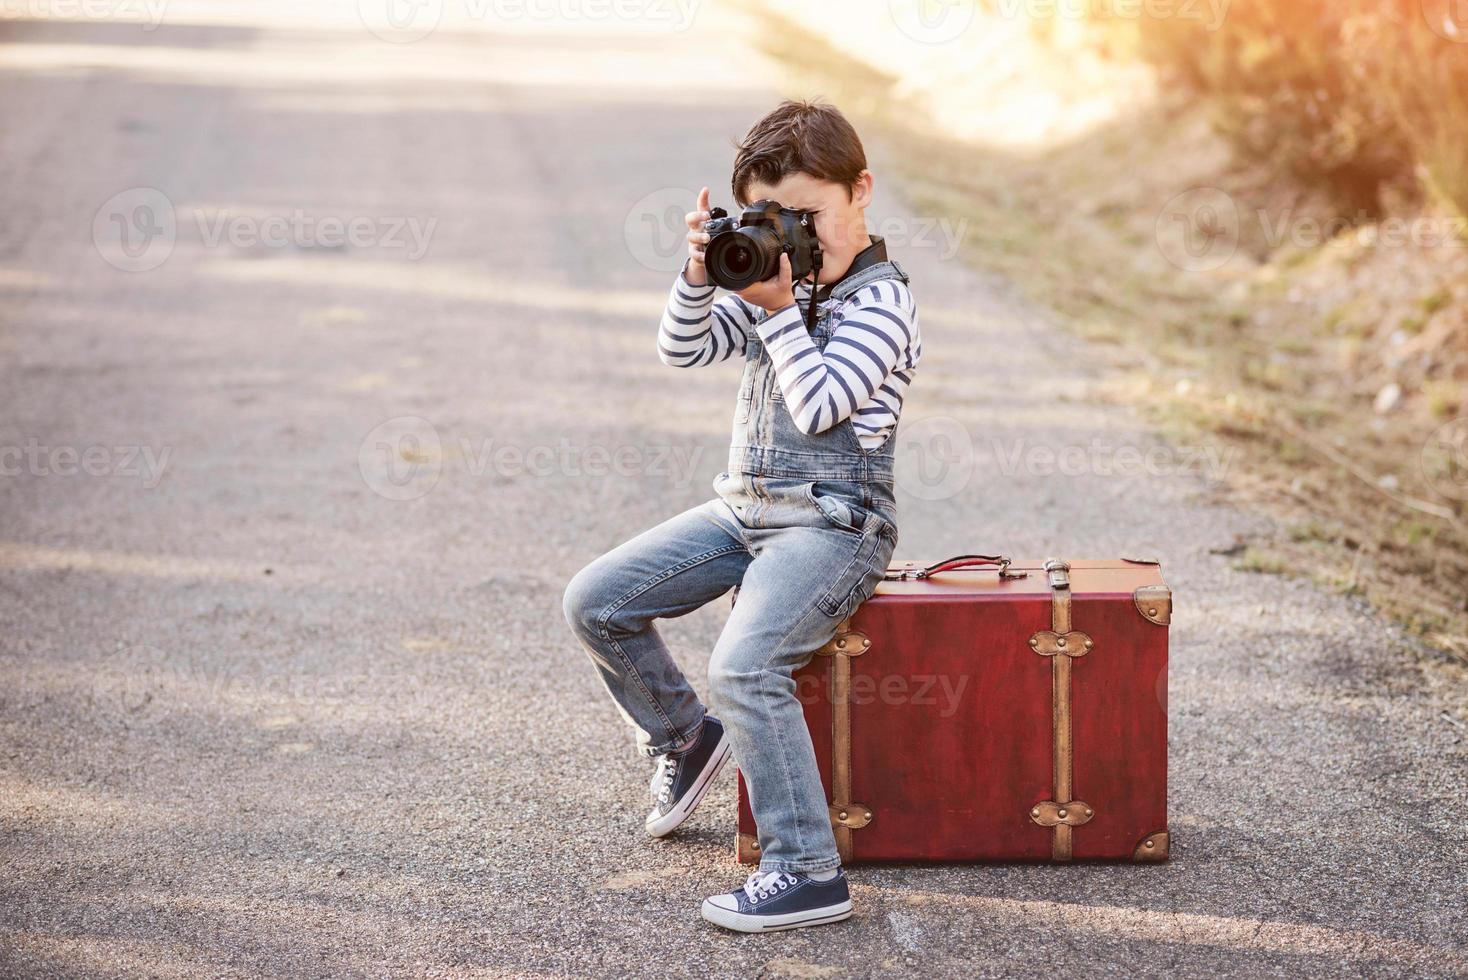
815	553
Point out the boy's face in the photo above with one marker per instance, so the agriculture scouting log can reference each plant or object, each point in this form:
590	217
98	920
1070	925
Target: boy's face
840	214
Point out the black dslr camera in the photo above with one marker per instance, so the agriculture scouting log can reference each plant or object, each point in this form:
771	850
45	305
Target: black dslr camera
740	254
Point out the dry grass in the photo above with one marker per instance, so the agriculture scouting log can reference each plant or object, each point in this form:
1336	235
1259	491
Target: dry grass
1367	98
1279	353
1422	81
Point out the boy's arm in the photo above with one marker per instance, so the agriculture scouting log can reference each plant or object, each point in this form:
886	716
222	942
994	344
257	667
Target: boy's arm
696	330
876	339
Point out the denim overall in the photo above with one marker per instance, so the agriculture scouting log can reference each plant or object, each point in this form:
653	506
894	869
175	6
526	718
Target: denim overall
776	472
803	527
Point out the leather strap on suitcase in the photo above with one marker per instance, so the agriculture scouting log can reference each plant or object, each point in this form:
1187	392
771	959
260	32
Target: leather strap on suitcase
1061	644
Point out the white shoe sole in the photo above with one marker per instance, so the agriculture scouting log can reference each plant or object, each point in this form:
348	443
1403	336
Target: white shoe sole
770	923
668	822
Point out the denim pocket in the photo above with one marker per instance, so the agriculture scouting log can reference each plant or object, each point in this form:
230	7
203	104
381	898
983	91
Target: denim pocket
838	512
858	580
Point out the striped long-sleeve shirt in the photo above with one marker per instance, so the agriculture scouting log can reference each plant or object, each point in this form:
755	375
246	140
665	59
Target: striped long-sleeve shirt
863	374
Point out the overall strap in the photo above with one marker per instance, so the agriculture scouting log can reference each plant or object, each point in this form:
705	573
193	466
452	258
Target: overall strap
886	269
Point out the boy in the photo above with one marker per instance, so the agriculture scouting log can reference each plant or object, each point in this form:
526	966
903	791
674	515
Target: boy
804	521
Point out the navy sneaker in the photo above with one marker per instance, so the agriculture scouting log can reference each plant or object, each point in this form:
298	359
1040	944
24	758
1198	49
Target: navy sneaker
680	781
773	900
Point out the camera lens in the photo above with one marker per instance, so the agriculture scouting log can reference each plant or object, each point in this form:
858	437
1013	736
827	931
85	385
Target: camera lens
739	261
743	257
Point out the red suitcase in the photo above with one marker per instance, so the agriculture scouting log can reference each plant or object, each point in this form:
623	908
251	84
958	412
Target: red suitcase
984	710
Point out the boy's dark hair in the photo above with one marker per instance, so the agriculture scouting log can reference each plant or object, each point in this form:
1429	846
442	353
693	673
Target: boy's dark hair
799	137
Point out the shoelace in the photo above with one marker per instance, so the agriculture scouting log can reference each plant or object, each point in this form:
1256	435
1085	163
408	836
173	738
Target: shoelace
663	778
764	884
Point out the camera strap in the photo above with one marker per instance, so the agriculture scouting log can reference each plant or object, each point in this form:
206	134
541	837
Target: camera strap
873	254
815	275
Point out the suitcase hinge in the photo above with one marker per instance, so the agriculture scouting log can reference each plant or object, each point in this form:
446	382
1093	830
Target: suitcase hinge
1152	848
846	814
1062	645
1154	602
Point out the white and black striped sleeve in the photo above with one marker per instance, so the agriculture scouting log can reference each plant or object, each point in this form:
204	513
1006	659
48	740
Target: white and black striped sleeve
873	339
696	331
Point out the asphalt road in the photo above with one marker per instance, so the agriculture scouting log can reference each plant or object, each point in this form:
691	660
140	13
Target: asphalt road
277	702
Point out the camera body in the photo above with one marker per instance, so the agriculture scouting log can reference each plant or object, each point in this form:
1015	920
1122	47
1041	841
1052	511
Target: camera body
745	251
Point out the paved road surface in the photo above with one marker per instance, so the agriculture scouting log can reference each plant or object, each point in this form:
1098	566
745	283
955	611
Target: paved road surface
263	717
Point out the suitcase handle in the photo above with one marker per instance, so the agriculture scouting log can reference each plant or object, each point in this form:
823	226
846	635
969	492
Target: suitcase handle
957	561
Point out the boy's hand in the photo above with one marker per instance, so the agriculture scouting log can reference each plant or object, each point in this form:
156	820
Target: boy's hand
775	293
697	239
